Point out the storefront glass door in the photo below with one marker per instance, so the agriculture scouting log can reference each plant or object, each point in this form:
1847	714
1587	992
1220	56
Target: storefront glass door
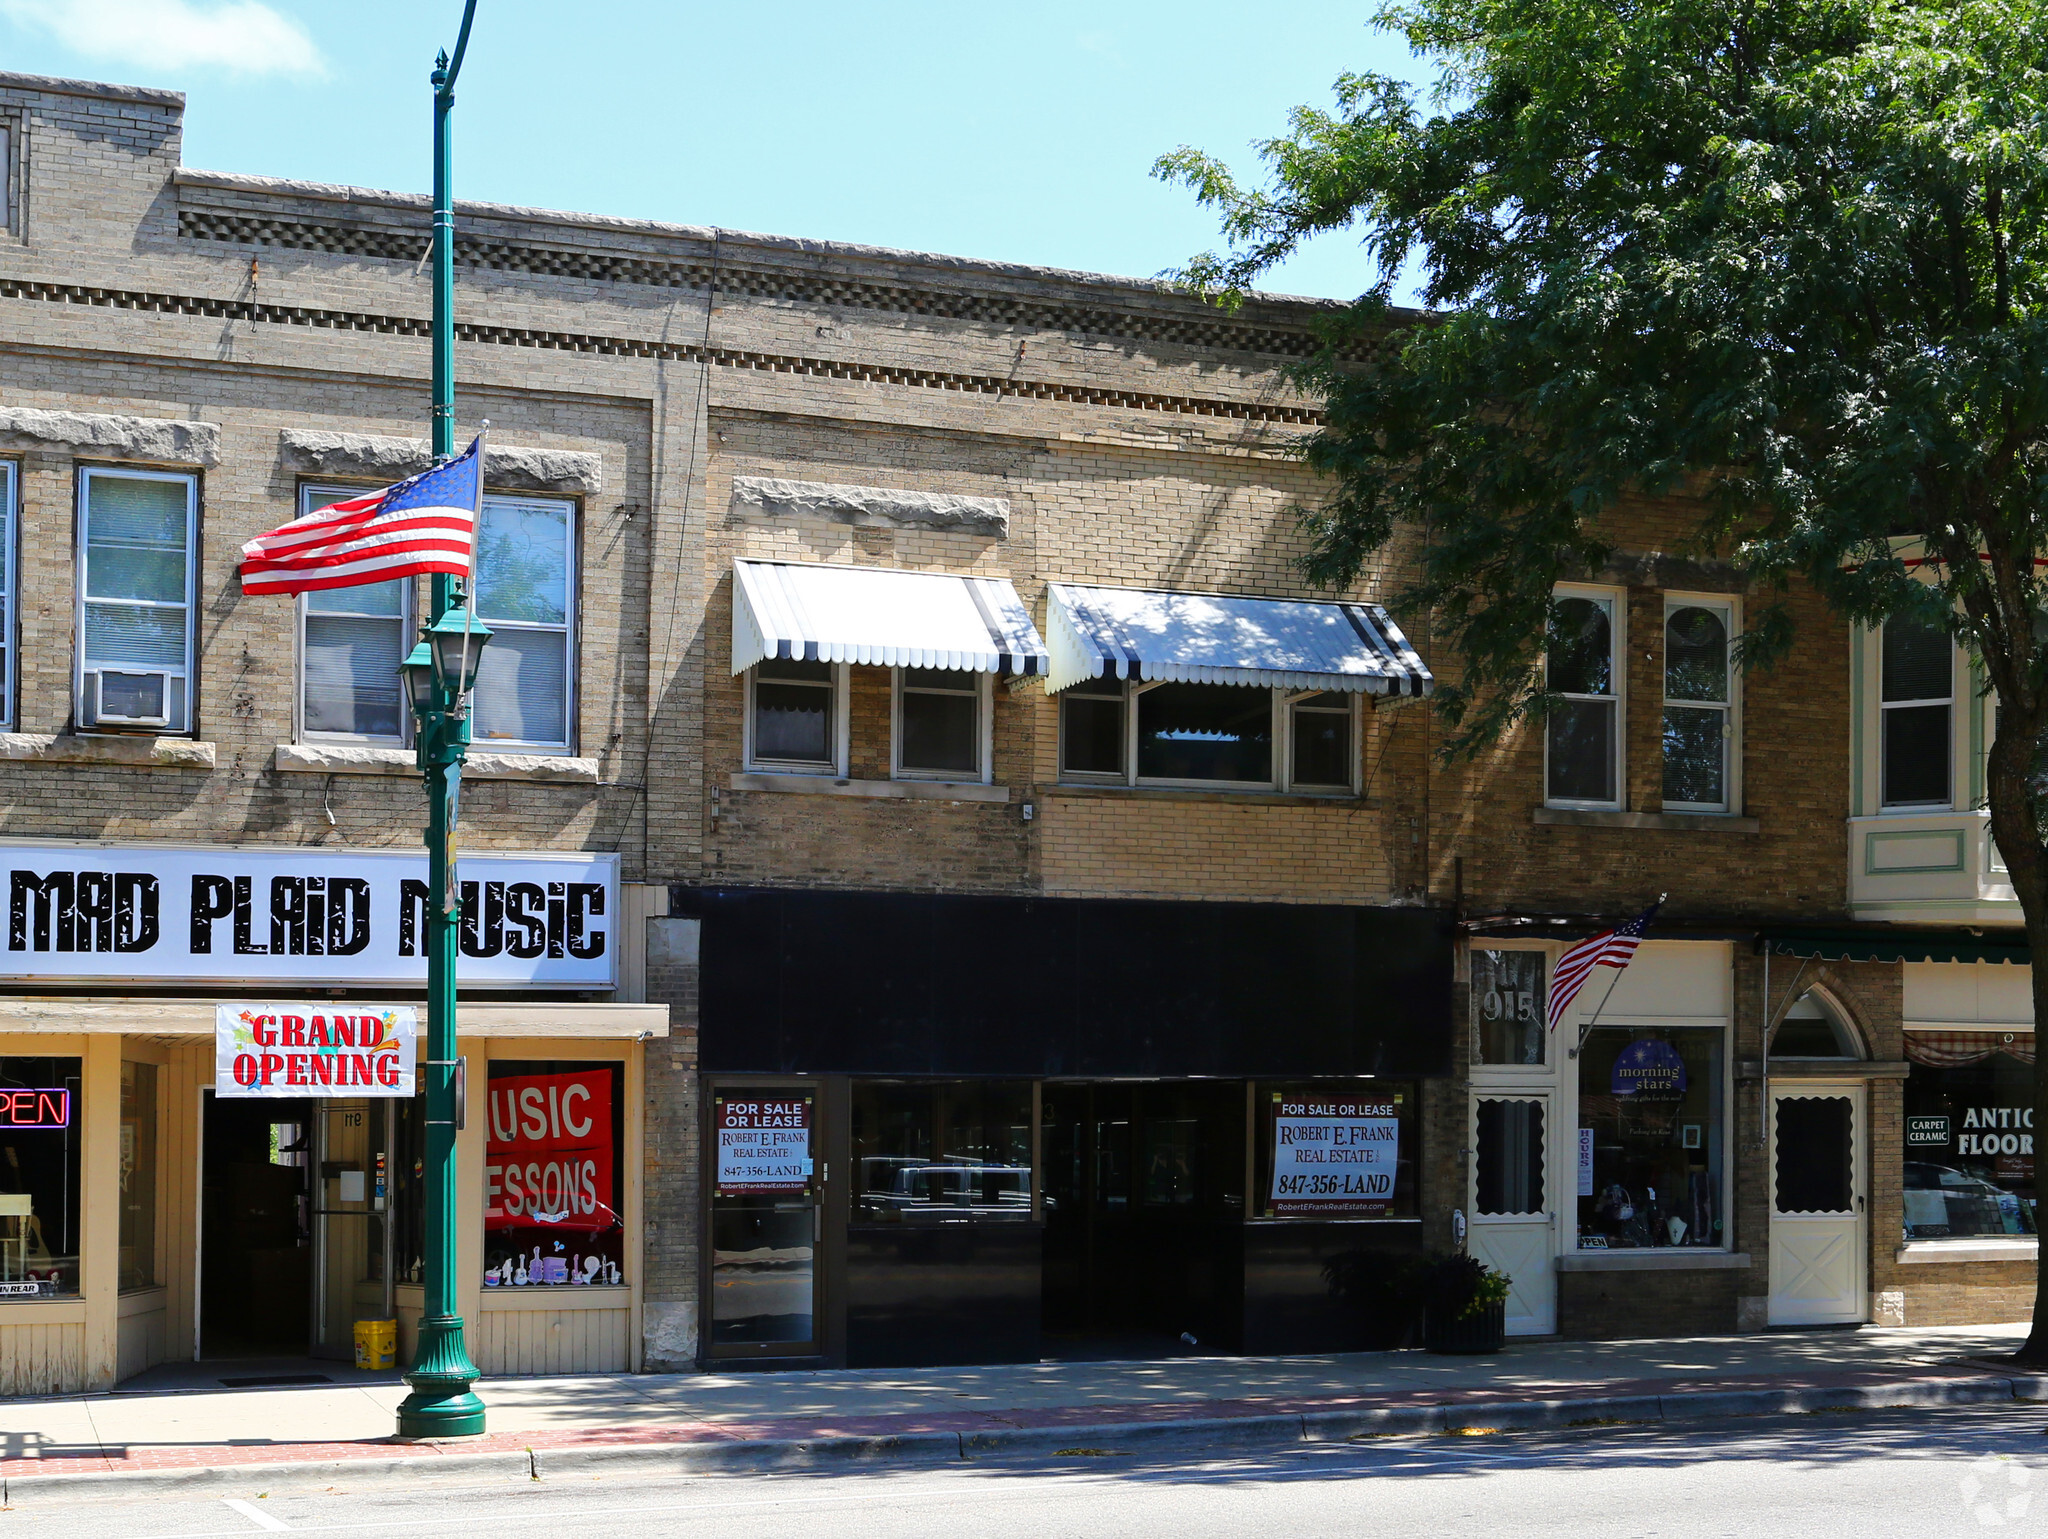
1818	1202
1513	1228
765	1221
351	1255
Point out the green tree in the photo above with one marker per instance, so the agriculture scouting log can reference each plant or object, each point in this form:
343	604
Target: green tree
1785	258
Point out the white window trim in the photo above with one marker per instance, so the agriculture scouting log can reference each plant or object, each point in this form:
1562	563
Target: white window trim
189	672
1961	698
1282	703
1285	702
314	495
1731	712
571	620
984	731
1616	600
842	736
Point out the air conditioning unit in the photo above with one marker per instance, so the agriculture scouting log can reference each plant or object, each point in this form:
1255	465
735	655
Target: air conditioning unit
122	698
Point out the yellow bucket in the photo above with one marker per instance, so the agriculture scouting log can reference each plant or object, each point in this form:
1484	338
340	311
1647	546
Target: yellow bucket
376	1344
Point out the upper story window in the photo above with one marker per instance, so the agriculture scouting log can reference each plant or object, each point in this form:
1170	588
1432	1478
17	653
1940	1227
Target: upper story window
1582	741
942	724
137	536
351	641
1699	706
1916	712
526	594
796	717
1221	735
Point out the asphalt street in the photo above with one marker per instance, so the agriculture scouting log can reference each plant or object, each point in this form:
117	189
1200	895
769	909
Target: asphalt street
1877	1474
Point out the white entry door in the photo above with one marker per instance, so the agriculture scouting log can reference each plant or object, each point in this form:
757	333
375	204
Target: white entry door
1513	1228
1819	1224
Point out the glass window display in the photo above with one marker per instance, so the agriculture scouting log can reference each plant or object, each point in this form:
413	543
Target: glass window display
1969	1145
942	1152
554	1173
40	1218
1650	1138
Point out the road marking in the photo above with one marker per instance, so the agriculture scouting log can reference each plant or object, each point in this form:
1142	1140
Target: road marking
254	1514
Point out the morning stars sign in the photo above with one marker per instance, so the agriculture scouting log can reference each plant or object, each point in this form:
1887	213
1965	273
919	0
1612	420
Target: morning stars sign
301	916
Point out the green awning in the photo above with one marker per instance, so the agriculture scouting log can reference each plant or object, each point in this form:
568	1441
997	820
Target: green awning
1894	944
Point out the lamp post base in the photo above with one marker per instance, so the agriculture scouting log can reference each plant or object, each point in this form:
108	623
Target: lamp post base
441	1403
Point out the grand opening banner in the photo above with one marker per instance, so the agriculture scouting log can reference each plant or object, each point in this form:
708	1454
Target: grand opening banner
314	1050
302	916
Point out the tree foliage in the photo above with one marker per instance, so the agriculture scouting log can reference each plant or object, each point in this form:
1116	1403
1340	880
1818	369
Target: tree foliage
1787	258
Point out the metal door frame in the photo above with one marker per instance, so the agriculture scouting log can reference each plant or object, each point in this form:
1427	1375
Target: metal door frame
824	1243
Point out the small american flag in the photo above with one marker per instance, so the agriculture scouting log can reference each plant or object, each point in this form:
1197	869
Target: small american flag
426	523
1614	948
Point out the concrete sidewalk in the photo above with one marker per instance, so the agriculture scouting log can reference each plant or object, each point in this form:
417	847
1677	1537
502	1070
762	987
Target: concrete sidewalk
179	1426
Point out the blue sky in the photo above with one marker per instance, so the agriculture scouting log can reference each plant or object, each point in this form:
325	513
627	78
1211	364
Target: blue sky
1018	133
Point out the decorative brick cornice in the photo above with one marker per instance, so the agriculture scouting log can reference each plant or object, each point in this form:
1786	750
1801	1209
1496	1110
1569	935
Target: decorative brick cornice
641	347
1194	327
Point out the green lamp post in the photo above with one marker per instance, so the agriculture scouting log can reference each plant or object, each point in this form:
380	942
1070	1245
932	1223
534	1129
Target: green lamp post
439	674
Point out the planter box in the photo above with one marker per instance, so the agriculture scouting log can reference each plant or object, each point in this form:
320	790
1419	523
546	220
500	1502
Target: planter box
1486	1331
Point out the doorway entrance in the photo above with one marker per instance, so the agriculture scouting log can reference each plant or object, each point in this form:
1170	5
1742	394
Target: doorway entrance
1514	1226
255	1249
1144	1191
1819	1238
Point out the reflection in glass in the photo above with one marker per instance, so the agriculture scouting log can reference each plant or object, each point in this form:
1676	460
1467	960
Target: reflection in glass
1695	771
1581	648
1582	751
1969	1155
763	1269
1205	732
1650	1138
1508	1004
943	1152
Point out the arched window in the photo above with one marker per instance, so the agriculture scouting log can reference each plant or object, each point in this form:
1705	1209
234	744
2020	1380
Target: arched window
1812	1029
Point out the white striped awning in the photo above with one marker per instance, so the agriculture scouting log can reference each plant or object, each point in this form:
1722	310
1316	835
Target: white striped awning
803	611
1208	638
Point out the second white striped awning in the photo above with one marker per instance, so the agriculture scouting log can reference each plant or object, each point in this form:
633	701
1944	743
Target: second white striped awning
805	611
1215	638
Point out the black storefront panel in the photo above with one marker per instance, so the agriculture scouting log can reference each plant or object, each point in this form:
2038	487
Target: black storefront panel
912	984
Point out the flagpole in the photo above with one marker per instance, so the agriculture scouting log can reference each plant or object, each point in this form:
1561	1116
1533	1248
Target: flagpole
441	1402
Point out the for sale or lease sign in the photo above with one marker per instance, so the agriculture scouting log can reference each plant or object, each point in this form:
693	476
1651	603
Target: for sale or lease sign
314	1050
1337	1156
764	1145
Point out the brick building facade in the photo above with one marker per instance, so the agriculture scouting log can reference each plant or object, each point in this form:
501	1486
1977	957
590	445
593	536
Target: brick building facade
681	400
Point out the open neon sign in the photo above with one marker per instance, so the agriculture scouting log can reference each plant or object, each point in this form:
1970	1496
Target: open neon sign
35	1108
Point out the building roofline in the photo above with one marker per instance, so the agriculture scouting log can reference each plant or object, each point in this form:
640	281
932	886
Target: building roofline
367	198
57	85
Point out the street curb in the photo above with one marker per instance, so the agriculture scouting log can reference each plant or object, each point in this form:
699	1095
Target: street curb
755	1455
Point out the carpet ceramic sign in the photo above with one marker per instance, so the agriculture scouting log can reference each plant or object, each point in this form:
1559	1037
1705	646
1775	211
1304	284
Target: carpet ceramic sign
1649	1068
764	1145
291	917
1334	1155
281	1051
1927	1132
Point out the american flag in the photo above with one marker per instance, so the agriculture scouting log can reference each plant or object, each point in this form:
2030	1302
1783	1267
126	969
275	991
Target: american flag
426	523
1614	948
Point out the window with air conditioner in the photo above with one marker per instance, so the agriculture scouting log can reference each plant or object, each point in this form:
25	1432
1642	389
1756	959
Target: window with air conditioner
526	593
138	534
351	641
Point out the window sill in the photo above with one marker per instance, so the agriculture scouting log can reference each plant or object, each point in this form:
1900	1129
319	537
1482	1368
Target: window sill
345	759
2018	1248
901	790
1067	789
1675	1258
558	1296
1667	822
107	748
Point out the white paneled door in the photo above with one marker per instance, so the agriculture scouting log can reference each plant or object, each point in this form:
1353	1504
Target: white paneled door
1819	1201
1513	1228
